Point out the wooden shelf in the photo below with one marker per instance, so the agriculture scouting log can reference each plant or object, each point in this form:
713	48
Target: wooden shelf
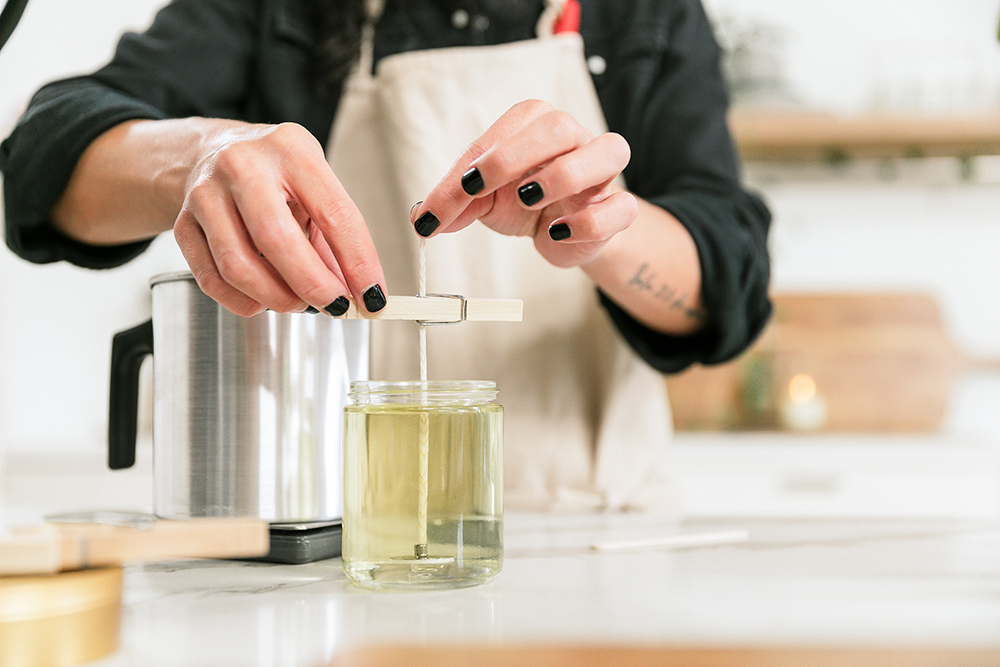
801	135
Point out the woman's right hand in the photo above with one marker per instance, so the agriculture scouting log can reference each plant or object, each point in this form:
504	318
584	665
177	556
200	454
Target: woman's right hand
265	223
256	210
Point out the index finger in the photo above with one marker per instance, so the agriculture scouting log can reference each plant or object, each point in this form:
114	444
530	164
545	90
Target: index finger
340	222
278	236
445	206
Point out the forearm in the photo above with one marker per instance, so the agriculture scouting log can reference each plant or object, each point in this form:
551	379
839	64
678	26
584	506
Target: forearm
130	182
653	272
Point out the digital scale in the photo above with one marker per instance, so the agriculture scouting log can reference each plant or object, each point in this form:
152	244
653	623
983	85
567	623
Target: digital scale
297	543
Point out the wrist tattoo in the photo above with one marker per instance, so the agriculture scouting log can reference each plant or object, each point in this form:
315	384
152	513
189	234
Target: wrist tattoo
645	280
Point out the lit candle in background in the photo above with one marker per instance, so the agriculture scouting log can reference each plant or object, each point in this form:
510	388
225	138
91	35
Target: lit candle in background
802	408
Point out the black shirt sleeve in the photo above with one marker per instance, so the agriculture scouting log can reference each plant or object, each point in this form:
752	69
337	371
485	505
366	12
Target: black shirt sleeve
193	61
38	159
662	89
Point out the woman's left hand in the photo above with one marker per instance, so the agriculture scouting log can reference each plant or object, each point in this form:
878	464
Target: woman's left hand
536	172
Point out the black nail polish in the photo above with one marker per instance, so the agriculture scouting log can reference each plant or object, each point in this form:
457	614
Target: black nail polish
472	182
374	299
311	310
338	307
531	193
426	224
560	231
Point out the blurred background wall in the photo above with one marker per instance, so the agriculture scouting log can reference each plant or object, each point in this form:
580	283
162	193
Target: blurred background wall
56	321
900	200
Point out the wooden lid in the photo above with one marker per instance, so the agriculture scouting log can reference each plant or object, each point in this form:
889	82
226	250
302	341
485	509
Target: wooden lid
59	619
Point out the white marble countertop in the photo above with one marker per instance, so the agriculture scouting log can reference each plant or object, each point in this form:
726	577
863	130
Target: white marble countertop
793	582
851	541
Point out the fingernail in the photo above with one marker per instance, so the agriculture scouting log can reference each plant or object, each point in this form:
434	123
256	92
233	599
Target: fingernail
338	307
374	299
472	181
426	224
560	231
531	193
310	310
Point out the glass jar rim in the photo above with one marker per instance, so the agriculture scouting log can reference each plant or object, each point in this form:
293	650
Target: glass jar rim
431	390
420	385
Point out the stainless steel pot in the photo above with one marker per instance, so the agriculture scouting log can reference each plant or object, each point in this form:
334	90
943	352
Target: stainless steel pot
247	412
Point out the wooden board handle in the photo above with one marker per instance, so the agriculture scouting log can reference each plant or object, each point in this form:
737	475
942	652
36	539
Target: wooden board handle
60	547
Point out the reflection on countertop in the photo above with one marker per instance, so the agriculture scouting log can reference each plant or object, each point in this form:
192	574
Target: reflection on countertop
794	582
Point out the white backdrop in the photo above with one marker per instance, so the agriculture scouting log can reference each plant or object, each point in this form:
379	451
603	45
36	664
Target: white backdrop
56	321
855	55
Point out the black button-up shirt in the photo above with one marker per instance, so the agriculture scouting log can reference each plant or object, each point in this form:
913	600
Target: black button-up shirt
655	65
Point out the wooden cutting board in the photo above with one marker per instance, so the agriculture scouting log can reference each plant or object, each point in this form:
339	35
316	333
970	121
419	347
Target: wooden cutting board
598	656
881	363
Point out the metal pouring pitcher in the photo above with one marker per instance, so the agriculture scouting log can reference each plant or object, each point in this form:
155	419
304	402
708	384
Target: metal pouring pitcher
247	412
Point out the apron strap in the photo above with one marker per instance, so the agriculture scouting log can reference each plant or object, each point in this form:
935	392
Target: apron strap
373	10
366	59
547	21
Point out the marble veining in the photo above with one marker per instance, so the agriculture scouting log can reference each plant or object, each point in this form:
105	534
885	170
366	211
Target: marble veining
801	582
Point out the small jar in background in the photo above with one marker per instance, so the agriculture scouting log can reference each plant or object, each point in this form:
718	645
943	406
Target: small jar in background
423	481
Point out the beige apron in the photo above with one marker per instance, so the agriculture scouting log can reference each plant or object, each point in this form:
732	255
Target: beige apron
586	422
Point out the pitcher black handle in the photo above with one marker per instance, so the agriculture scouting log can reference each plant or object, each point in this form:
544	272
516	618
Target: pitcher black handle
128	349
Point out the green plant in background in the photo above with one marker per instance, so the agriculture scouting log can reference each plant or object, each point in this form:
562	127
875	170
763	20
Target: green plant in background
757	390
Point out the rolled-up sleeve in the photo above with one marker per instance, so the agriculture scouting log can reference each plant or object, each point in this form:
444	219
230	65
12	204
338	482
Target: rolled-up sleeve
663	90
195	59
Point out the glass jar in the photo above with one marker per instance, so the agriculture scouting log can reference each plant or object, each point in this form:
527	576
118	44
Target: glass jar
423	481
